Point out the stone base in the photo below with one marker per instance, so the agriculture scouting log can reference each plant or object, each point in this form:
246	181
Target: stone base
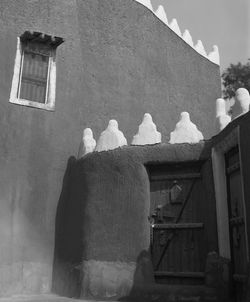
107	279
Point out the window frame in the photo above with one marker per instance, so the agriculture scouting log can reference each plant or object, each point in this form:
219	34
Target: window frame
17	76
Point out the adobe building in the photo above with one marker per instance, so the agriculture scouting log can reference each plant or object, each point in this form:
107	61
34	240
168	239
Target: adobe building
68	65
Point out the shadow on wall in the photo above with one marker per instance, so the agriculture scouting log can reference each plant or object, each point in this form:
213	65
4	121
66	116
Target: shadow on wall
143	278
68	238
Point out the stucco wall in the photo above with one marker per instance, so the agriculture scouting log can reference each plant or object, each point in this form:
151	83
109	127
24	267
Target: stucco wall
118	61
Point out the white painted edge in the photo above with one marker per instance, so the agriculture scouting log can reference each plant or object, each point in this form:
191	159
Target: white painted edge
220	186
219	174
52	81
51	90
16	73
213	56
175	27
146	3
188	38
222	118
161	14
200	48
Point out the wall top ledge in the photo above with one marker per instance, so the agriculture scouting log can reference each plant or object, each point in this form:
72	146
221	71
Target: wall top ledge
152	154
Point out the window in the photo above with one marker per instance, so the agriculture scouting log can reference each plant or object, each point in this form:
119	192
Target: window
34	79
34	75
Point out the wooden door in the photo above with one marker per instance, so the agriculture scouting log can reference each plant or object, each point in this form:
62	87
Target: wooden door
237	229
178	244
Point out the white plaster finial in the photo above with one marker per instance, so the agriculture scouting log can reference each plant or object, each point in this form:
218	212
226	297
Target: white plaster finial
88	143
185	131
147	133
200	48
161	14
175	27
111	138
222	118
146	3
242	96
214	55
188	38
220	107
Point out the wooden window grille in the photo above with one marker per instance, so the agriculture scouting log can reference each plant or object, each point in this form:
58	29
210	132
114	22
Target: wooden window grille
33	84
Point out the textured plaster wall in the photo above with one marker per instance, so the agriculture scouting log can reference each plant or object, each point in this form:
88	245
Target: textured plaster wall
118	61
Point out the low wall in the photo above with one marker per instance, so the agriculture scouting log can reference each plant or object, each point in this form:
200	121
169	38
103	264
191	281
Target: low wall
102	227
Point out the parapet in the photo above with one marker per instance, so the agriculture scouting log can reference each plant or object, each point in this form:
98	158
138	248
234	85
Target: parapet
185	130
160	13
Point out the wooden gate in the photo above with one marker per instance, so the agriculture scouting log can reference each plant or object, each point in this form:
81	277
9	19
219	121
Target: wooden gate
178	245
237	229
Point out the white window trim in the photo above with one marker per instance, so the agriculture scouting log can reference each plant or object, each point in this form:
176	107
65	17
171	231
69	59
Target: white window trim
219	173
51	82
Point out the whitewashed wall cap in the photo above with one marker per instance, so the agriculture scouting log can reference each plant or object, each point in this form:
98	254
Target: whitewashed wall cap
161	14
146	3
242	96
111	138
214	55
200	48
147	133
222	121
242	92
188	38
220	107
175	27
87	144
185	131
222	118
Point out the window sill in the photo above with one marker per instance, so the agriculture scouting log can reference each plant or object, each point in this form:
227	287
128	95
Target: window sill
22	102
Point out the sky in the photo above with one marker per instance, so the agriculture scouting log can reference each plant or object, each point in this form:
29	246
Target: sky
225	23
